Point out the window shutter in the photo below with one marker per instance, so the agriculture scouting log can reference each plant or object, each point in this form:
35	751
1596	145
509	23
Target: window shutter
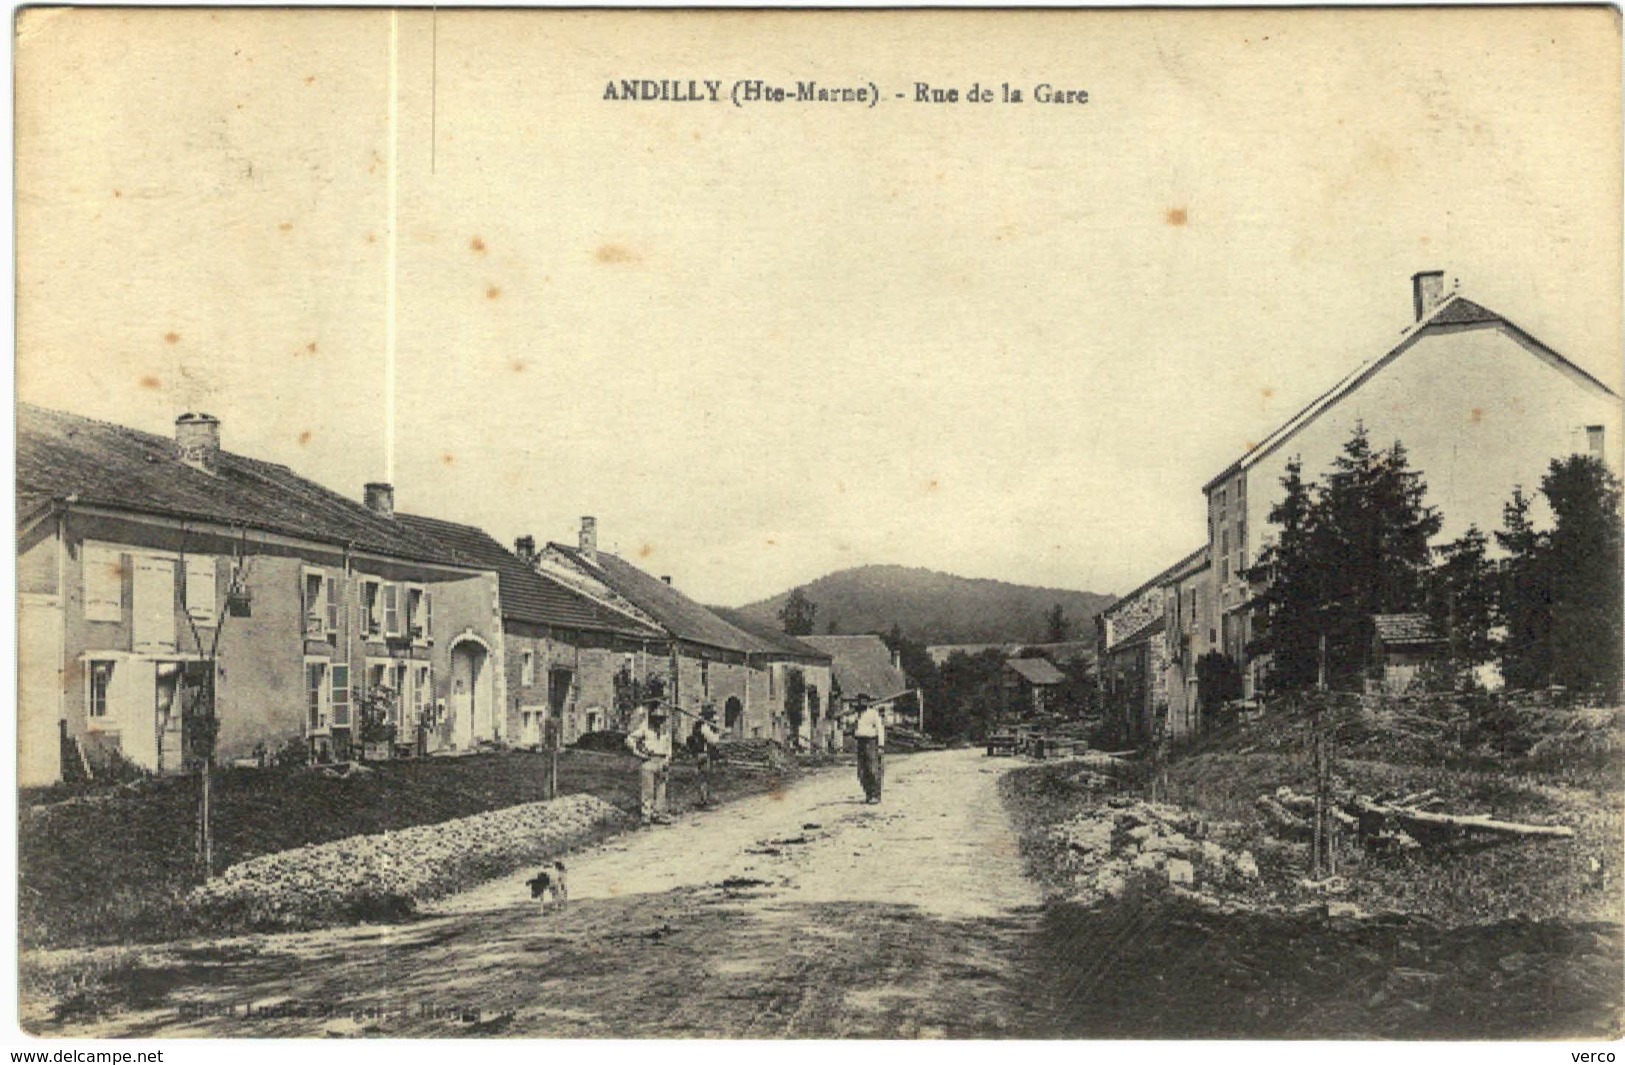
103	584
428	614
335	603
200	589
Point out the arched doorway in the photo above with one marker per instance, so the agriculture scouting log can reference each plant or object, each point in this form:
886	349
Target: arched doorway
733	717
471	703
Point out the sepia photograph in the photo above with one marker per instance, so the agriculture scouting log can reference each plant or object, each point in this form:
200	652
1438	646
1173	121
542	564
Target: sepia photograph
730	524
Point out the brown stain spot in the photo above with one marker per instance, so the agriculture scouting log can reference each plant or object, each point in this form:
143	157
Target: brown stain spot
646	550
448	459
493	293
615	891
310	80
1476	415
286	227
777	794
304	437
310	349
772	543
477	246
932	485
372	238
151	382
117	194
697	135
518	365
1267	393
172	338
1177	216
617	253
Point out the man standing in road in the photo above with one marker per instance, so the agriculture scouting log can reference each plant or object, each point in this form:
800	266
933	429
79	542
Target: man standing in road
702	744
652	745
870	733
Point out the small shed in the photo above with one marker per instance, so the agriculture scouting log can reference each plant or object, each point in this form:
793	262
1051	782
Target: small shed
1401	645
1028	682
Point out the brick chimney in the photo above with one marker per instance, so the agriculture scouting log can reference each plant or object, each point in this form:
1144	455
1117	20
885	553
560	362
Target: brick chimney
197	441
381	498
589	538
666	577
1427	289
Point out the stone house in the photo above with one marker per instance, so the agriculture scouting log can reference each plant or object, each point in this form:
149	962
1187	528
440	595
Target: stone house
573	664
799	676
1480	404
864	665
153	571
707	659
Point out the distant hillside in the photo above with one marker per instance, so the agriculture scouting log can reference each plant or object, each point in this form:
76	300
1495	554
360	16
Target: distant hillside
936	607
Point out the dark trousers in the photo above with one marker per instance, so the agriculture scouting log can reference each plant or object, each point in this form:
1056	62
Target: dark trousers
871	769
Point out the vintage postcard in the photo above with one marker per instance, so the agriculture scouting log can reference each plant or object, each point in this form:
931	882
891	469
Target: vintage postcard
739	524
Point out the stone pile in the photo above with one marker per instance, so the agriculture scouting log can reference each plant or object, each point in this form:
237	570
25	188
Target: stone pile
1128	843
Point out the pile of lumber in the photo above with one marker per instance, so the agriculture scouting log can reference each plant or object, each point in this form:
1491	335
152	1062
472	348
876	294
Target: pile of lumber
1403	823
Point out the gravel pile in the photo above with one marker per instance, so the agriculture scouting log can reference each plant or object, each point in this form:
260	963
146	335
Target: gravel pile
1131	842
381	876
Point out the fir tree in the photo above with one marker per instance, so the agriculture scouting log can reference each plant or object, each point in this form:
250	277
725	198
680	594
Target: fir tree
1583	560
1525	610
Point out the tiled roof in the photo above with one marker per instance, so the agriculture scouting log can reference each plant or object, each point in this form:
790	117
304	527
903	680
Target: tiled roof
1396	629
61	455
676	612
862	665
1040	671
772	640
526	595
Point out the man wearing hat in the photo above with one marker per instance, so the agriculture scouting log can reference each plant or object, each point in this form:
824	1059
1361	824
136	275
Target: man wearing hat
870	732
652	744
702	744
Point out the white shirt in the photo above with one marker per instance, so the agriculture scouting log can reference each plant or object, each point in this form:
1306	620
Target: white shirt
870	723
649	743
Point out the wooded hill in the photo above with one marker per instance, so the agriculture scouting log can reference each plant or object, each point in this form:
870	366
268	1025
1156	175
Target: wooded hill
934	608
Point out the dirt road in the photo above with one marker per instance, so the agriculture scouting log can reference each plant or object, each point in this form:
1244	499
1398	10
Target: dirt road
800	913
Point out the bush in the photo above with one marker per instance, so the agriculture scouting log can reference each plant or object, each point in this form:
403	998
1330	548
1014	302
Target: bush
606	740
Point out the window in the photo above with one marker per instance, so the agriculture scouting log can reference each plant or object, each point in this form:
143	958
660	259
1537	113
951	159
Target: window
369	618
316	603
399	682
317	696
417	621
527	668
340	697
104	584
200	589
1594	440
422	689
392	610
101	680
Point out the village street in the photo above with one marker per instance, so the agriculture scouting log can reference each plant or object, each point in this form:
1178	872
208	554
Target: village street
799	913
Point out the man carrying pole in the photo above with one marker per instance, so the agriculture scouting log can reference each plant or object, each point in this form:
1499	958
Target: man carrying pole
702	744
652	744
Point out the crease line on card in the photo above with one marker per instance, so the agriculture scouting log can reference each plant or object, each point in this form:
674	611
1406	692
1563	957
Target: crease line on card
393	182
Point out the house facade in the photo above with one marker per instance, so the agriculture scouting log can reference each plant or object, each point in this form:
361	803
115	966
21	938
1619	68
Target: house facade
155	572
708	660
1480	405
572	664
864	665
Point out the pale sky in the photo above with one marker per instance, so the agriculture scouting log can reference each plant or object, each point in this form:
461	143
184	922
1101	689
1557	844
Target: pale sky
760	344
